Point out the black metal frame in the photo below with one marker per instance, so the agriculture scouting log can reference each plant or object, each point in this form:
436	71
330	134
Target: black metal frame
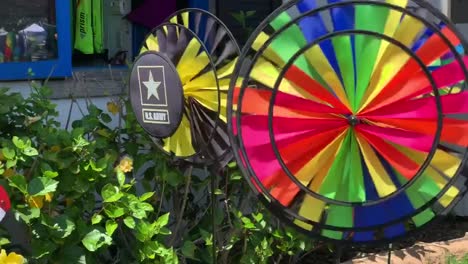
391	41
236	136
200	157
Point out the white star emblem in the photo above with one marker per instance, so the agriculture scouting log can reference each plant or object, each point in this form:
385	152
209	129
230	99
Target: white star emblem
152	86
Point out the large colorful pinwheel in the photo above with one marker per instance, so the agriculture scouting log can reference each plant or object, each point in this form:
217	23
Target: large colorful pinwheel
4	203
203	53
340	120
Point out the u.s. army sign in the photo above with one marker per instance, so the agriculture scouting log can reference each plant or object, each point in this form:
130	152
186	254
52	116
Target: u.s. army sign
156	94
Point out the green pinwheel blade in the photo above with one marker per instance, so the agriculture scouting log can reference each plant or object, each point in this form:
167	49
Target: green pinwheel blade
345	180
370	18
288	42
344	56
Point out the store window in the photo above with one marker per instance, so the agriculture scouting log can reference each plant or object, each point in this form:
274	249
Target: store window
52	38
29	35
101	34
34	39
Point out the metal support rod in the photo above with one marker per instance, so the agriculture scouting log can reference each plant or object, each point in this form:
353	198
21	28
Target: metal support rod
213	216
445	7
339	253
389	258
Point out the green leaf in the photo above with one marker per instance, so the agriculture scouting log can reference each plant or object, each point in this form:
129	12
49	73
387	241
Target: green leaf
250	13
95	240
27	214
238	17
11	163
218	192
111	226
114	211
19	143
77	132
50	174
174	178
95	167
104	132
143	231
146	207
9	153
247	223
137	213
258	217
30	152
207	237
96	219
120	177
4	241
277	234
42	248
163	220
129	222
150	248
72	254
42	186
62	226
164	231
106	118
302	245
111	193
146	196
236	176
19	182
94	110
79	143
188	249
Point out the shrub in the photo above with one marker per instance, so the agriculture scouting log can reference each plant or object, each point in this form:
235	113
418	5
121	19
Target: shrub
93	193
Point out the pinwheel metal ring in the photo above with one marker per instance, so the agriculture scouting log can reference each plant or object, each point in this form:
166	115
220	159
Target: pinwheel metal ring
345	121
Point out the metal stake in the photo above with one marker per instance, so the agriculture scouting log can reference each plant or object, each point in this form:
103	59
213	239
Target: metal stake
213	210
339	253
389	258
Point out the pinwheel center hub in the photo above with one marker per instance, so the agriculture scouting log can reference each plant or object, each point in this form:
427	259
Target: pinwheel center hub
353	120
156	94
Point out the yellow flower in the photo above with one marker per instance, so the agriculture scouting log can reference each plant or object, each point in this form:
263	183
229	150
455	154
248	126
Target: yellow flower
126	164
68	201
113	107
11	258
36	202
55	148
9	172
48	197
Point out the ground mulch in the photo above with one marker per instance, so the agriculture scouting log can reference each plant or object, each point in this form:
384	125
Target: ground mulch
446	229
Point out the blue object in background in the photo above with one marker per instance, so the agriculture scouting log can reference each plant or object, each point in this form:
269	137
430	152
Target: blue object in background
140	32
58	67
202	4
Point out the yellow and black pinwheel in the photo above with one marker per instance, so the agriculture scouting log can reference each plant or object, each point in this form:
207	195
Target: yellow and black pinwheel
198	48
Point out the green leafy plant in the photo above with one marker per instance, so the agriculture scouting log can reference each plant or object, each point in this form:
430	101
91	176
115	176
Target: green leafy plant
96	193
454	260
242	17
